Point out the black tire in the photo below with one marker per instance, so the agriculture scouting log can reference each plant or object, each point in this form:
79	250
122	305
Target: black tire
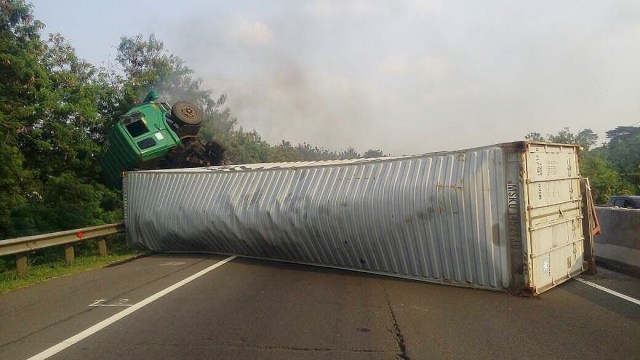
185	113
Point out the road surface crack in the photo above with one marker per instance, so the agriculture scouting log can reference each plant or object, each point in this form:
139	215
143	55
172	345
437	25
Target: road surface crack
402	353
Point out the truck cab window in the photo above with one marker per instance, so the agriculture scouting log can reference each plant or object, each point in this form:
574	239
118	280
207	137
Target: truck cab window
135	124
137	128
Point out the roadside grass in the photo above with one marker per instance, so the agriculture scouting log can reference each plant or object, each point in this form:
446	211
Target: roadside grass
50	263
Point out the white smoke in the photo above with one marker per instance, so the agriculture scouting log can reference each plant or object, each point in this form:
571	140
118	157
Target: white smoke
405	76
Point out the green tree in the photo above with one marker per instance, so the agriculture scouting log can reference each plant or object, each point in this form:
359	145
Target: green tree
605	181
564	136
22	90
621	133
612	168
284	152
534	136
62	140
586	138
48	116
246	147
623	153
61	150
314	153
373	154
349	153
147	65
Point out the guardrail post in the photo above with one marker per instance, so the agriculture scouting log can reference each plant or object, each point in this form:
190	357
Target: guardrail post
69	253
102	246
25	245
21	264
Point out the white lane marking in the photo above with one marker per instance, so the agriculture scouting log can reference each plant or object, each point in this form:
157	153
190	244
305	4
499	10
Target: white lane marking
97	302
173	263
101	302
614	293
104	323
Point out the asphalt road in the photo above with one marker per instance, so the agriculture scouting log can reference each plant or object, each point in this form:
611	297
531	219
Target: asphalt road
251	309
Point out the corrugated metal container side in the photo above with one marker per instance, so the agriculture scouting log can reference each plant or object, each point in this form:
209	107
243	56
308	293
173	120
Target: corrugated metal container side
503	217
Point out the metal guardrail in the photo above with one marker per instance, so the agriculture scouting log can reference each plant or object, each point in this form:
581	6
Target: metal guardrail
22	246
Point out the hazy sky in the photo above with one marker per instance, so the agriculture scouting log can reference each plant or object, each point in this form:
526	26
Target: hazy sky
403	76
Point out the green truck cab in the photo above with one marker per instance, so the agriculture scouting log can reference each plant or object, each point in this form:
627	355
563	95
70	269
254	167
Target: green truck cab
155	135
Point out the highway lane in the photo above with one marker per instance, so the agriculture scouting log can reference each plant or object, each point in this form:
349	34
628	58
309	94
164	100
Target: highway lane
251	309
35	318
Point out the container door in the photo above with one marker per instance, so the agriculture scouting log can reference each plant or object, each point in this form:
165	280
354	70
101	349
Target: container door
554	215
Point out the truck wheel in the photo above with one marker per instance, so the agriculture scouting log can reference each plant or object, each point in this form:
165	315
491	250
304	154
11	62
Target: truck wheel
185	113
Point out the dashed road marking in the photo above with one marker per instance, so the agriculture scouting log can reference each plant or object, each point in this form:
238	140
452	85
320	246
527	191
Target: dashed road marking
101	302
614	293
104	323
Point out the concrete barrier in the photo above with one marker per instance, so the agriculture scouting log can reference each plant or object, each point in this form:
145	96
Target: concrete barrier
618	245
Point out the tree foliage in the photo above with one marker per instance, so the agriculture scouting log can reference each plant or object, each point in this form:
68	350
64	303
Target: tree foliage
605	180
373	153
613	168
24	84
56	109
622	133
284	152
623	153
534	136
586	138
48	115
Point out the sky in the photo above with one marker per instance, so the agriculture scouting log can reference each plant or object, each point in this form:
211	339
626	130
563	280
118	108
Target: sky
402	76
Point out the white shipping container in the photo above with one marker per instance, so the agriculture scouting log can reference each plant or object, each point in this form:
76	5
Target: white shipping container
506	217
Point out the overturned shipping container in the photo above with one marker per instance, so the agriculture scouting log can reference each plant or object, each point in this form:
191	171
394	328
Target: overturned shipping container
506	217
